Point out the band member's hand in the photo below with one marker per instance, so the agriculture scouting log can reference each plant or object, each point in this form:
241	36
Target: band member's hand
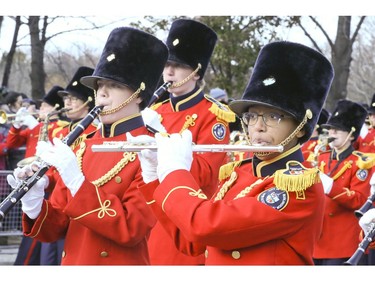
366	220
372	183
32	201
327	182
147	158
64	160
174	153
23	117
152	120
42	146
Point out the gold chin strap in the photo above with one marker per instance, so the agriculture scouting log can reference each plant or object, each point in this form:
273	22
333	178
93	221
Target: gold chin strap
308	115
352	130
191	75
89	99
142	87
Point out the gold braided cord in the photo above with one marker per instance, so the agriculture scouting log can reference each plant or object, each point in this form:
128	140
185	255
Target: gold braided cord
347	165
126	102
190	122
104	206
246	191
226	186
191	75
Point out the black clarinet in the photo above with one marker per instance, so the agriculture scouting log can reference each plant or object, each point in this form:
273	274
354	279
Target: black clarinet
159	92
15	196
357	255
366	206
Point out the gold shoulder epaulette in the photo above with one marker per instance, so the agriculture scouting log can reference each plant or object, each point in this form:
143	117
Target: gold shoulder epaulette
227	169
158	104
221	110
365	160
296	177
62	123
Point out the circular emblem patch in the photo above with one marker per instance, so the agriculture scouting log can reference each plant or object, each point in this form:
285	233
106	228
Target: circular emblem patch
275	198
219	131
362	174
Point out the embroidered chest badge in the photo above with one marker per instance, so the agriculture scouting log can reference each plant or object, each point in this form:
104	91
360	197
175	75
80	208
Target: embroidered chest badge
219	131
362	174
275	198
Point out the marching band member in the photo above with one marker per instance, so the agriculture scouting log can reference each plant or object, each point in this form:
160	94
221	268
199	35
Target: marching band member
267	211
190	45
346	184
78	101
96	204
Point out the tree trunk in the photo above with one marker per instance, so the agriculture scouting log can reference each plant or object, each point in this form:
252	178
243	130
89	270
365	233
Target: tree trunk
37	75
341	59
10	56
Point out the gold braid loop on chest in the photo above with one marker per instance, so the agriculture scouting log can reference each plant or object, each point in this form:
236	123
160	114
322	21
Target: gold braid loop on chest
190	122
226	186
127	157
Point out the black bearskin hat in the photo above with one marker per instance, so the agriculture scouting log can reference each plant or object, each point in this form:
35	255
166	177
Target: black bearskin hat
346	116
191	43
131	57
291	77
53	98
77	89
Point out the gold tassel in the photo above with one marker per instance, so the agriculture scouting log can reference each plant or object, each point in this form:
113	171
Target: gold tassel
365	160
297	178
227	169
222	111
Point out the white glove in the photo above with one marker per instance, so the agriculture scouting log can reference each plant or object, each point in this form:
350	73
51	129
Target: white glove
152	120
147	158
366	220
32	201
174	153
42	146
23	117
64	160
327	182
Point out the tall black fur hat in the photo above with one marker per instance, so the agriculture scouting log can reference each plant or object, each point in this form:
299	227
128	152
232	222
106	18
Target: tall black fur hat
371	108
53	98
131	57
291	77
191	42
346	116
77	89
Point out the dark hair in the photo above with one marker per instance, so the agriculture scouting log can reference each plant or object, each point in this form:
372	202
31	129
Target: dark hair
11	97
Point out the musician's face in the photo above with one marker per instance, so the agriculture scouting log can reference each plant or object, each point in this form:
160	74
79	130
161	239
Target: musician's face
175	73
78	111
45	108
278	129
342	139
112	94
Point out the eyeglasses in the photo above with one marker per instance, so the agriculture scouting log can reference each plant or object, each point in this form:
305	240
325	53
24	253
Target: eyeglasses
70	98
271	119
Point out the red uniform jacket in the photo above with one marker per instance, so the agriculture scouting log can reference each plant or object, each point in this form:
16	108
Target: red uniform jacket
19	137
366	144
107	222
349	192
207	120
252	219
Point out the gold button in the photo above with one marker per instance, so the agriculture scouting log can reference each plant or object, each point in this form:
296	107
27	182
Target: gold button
63	254
330	214
236	255
206	254
118	179
104	254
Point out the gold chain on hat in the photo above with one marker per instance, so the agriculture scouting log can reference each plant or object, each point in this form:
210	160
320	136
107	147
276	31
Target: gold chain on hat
191	75
126	102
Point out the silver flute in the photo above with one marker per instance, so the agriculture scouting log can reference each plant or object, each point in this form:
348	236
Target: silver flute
123	146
